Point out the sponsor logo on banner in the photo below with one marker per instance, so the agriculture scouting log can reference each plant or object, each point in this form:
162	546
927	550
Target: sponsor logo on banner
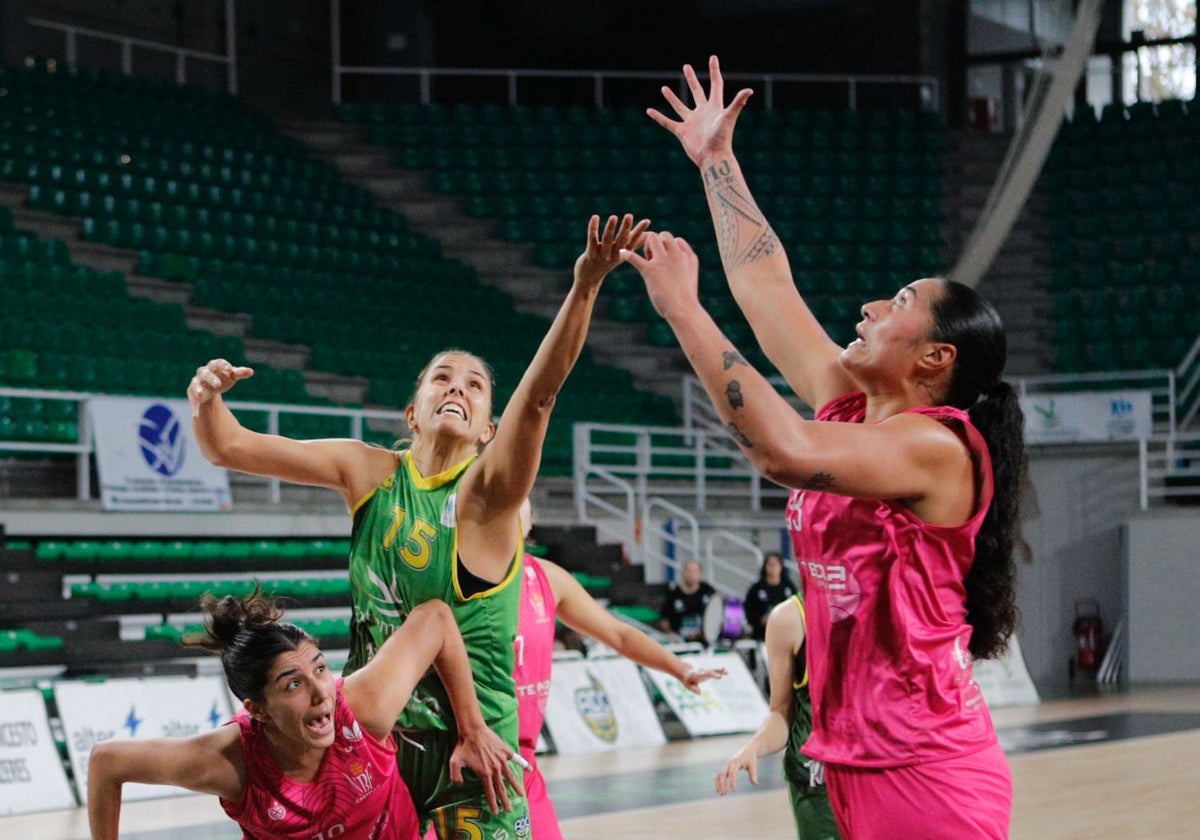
600	704
32	777
596	710
147	458
1087	417
163	442
731	704
162	707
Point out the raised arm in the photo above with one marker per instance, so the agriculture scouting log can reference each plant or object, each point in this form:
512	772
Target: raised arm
907	457
785	634
495	486
380	690
210	763
753	257
350	467
579	611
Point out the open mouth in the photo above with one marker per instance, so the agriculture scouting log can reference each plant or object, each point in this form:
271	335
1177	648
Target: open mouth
453	408
319	725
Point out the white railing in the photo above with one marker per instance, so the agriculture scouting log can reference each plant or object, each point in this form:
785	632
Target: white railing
356	420
1169	468
679	542
72	34
695	465
766	84
1187	383
615	520
735	568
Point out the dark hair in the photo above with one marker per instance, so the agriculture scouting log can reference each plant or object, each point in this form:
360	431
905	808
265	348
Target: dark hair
964	318
783	572
248	634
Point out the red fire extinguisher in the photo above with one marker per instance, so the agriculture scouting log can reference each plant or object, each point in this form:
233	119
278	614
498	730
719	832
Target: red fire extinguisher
1089	633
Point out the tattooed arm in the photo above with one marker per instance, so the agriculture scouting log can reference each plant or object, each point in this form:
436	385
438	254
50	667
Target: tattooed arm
908	457
754	260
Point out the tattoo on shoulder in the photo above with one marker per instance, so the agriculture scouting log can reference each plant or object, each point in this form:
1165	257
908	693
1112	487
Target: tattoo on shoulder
739	436
818	481
732	357
733	393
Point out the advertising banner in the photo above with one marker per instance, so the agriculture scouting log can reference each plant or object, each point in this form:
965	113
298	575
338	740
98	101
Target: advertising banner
1087	417
1006	681
147	458
155	707
600	704
32	777
733	703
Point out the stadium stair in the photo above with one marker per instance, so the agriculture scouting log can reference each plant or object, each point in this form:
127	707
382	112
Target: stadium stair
503	264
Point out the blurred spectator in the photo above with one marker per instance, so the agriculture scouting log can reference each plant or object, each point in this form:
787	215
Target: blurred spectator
773	587
682	612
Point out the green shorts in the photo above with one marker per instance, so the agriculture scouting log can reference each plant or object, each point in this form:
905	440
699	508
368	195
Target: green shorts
457	812
812	813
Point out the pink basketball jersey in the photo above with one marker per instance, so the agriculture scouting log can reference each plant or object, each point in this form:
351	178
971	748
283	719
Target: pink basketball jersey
534	649
888	638
357	795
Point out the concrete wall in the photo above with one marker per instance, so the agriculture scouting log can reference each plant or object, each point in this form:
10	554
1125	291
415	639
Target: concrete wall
1164	596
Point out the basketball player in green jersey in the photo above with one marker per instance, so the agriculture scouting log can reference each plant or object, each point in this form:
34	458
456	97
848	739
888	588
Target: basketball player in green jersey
787	727
436	521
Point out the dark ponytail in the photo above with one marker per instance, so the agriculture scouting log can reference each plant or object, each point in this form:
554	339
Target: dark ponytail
991	583
248	634
962	317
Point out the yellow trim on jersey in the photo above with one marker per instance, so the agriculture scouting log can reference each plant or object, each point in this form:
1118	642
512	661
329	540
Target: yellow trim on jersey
434	481
371	494
803	620
514	567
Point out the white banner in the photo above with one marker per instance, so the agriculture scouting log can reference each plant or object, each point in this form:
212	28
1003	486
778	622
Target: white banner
155	707
1006	681
600	704
32	777
1087	417
148	459
733	703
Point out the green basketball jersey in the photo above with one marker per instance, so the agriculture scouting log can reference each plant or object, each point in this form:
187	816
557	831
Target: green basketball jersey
795	764
403	552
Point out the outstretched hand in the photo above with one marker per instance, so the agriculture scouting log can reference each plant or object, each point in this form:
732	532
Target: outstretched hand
671	270
692	679
706	128
214	378
603	251
486	755
744	759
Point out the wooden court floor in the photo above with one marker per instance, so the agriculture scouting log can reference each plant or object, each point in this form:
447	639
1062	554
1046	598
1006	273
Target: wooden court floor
1124	764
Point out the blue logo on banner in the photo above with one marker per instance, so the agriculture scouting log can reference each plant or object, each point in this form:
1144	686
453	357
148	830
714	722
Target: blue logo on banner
161	436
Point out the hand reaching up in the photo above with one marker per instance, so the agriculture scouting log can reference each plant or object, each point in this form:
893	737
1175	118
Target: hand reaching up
705	129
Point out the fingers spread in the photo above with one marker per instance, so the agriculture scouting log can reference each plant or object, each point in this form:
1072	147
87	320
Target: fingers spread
675	102
693	84
716	85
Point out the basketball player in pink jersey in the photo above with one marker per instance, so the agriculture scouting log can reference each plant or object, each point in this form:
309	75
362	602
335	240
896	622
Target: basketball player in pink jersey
550	593
309	755
903	512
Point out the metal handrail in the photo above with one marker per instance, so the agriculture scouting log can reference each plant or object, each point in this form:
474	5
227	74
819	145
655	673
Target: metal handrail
72	34
86	444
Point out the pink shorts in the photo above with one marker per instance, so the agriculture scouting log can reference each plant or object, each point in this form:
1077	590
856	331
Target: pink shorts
960	798
543	821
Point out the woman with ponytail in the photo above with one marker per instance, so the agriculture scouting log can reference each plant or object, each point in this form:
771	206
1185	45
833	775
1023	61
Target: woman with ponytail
308	755
904	502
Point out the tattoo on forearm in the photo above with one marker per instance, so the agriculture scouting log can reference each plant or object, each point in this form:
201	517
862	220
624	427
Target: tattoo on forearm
743	234
818	481
732	357
733	393
739	436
